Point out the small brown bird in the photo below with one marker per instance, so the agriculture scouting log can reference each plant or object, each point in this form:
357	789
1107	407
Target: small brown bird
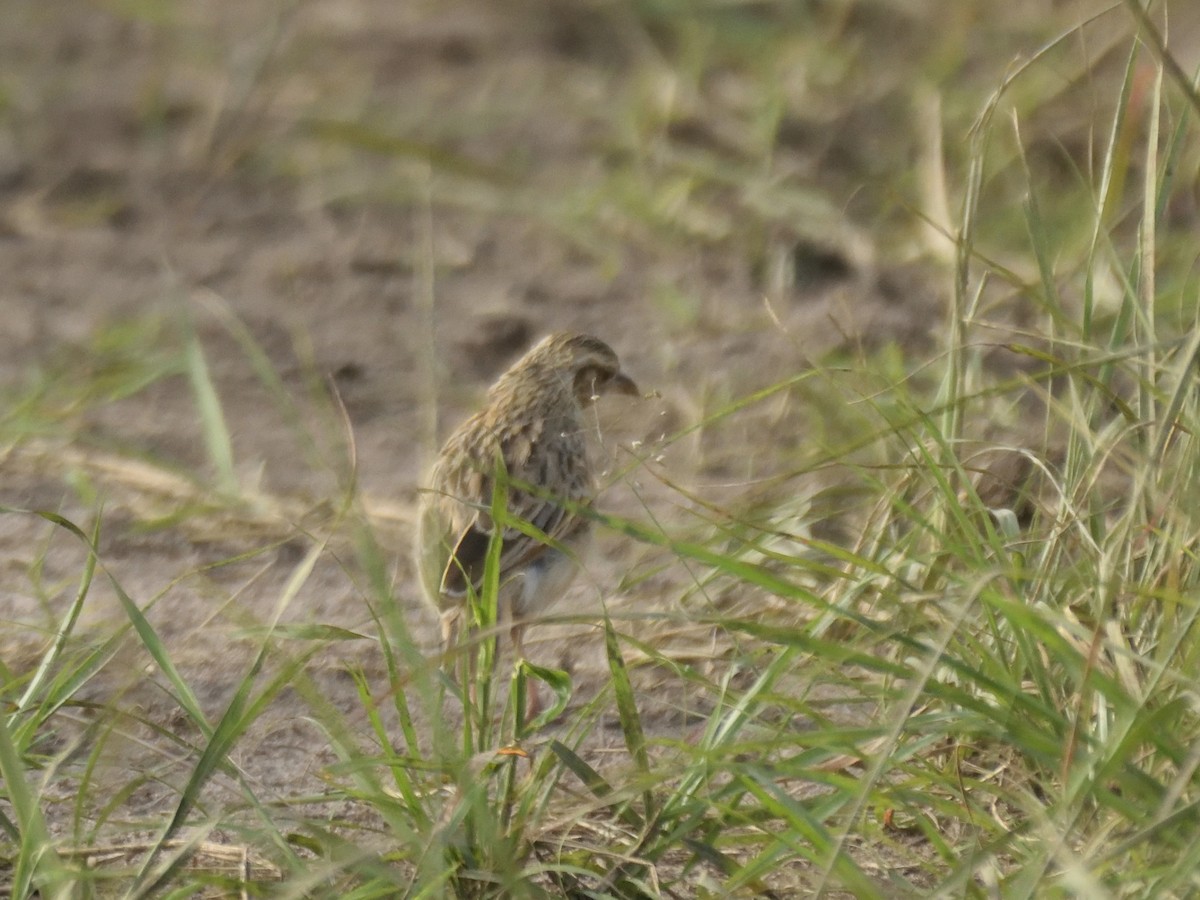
532	429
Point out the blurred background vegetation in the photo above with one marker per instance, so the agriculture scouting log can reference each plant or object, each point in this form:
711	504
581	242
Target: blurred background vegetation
898	594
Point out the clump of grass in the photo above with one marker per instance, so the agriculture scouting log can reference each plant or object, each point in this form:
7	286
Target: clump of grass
967	697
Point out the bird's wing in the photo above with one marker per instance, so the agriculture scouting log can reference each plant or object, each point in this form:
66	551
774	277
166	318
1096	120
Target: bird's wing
468	507
468	556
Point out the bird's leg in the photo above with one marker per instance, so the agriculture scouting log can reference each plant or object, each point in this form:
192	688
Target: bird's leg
451	631
450	620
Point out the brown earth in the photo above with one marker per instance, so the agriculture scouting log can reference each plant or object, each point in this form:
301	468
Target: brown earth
396	199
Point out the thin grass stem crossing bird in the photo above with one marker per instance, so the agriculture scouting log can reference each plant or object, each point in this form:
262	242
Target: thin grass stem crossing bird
530	440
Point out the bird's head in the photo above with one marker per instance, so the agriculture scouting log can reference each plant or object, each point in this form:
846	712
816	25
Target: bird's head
589	363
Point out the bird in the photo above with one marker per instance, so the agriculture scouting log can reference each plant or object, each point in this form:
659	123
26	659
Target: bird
531	435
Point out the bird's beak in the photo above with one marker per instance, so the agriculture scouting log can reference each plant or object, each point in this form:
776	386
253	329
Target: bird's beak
623	384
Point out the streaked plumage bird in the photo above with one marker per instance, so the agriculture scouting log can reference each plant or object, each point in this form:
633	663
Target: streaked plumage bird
533	427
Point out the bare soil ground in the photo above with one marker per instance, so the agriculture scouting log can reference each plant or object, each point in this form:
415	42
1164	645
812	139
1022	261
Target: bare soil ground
397	198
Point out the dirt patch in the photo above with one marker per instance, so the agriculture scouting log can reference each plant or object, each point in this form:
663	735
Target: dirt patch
395	200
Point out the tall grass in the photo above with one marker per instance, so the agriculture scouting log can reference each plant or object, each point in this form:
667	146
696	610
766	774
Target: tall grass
966	698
